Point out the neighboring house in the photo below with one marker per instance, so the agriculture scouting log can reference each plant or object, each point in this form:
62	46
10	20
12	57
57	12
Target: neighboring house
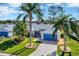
39	30
6	30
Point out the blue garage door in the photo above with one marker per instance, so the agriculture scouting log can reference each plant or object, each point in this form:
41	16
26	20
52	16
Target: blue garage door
5	34
50	37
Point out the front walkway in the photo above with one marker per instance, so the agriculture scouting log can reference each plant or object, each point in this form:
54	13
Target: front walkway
46	48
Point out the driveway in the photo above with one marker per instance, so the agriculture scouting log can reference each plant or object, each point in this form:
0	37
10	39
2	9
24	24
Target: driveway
46	48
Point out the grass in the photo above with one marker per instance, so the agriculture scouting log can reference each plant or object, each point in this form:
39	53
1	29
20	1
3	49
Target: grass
74	45
8	46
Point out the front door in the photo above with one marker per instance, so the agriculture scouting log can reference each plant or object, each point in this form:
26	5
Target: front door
37	34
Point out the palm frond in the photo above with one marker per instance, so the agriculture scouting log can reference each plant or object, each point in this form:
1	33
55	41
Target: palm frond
19	16
24	18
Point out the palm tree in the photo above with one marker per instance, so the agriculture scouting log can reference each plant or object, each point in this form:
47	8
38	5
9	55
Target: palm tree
30	9
64	23
68	27
20	29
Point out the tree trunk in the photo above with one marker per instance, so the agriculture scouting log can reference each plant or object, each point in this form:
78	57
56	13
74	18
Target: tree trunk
53	17
30	24
64	44
64	37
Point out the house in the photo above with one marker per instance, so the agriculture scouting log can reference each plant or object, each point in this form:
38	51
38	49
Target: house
39	30
6	30
44	31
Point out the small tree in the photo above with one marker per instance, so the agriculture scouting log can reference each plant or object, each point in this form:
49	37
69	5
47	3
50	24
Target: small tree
20	28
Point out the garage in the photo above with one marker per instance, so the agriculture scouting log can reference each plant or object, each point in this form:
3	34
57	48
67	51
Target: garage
50	37
5	34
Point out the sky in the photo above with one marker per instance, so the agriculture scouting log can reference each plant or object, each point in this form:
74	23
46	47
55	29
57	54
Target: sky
10	11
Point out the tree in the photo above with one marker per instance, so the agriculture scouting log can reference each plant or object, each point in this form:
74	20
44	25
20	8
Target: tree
6	21
65	24
20	28
55	11
30	9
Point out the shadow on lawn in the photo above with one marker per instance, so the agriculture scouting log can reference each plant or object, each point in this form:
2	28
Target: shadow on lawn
19	51
23	49
7	44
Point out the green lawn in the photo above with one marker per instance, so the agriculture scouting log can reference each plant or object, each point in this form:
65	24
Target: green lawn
74	45
8	46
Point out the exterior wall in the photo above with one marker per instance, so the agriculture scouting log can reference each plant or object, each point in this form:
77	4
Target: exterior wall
58	35
10	34
7	28
42	36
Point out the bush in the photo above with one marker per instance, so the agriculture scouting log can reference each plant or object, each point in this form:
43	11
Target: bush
38	41
19	39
